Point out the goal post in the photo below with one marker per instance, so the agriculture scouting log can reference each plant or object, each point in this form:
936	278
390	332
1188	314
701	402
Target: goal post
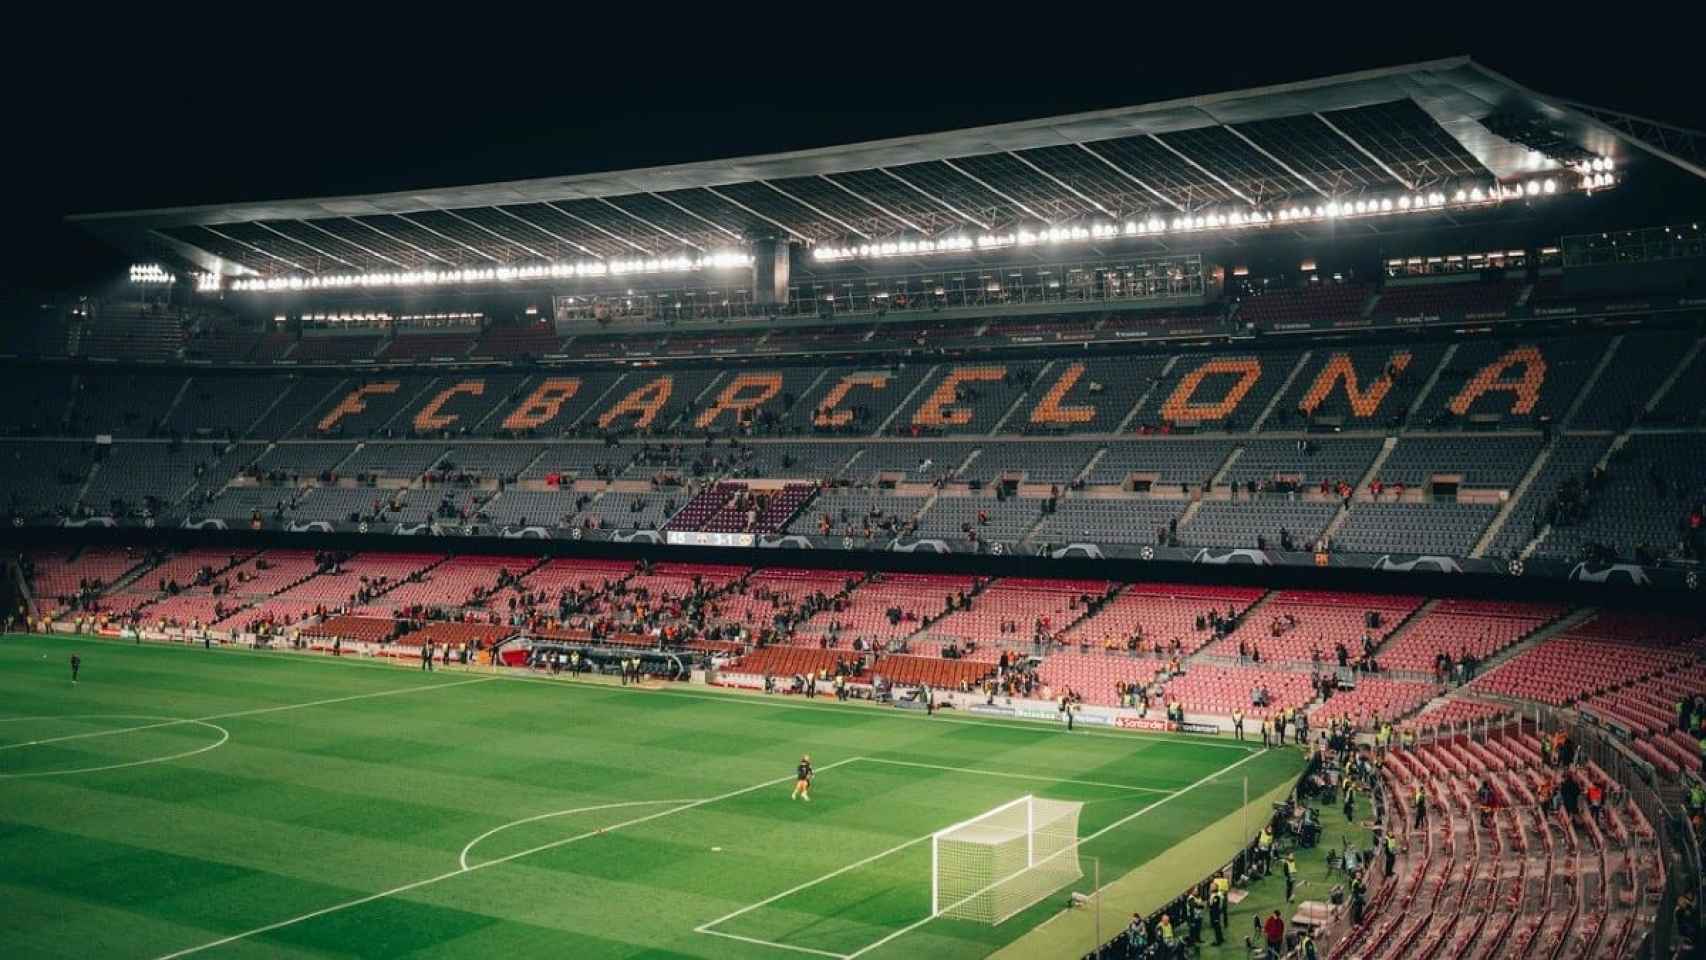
999	863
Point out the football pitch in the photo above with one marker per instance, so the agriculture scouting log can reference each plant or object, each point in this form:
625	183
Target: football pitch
180	802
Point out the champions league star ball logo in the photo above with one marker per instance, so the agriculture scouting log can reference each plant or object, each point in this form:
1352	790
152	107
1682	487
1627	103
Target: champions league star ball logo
1432	564
1227	557
1626	572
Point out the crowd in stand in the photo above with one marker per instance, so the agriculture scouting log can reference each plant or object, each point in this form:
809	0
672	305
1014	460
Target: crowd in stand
867	524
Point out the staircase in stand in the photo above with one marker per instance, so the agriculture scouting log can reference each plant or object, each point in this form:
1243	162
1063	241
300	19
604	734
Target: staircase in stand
1492	532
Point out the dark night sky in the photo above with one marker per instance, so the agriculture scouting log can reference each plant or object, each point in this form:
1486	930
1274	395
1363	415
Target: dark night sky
172	116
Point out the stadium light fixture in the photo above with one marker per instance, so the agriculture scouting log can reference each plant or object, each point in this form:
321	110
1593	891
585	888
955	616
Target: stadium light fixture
555	270
1594	175
150	273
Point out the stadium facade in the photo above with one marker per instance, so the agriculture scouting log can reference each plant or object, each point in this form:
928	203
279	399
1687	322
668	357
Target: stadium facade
1364	322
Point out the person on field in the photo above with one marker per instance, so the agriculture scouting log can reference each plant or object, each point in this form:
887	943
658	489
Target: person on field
76	665
803	780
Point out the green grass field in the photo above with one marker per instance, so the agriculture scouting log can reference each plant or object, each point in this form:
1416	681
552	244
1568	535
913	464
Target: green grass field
182	802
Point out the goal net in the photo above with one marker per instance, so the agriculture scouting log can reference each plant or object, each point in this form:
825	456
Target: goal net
994	865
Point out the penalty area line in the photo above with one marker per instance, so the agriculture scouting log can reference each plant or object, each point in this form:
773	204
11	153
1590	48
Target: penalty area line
779	946
903	931
707	926
460	871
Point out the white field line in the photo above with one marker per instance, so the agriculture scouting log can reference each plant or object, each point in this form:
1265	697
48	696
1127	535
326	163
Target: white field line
780	946
405	888
903	931
463	859
237	713
735	699
706	927
224	735
1017	776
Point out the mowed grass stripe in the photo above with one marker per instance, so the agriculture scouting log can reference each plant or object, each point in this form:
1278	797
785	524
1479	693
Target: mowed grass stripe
712	694
315	807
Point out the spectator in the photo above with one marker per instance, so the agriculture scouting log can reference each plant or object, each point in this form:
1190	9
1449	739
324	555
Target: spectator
1274	930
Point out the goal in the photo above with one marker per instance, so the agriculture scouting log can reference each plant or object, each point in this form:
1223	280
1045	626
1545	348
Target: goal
996	864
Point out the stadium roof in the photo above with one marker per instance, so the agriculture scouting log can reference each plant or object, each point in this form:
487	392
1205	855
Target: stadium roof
1418	128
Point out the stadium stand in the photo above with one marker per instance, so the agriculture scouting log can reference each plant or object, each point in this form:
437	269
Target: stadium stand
1109	520
428	345
1087	396
980	518
1096	676
146	479
1477	858
889	607
296	398
34	403
1560	484
923	462
1511	383
1455	712
486	461
1303	463
41	480
1014	608
1213	689
1482	462
1374	700
1440	529
1192	462
1460	298
368	406
133	332
1608	652
133	405
965	398
324	349
1308	626
290	462
1362	387
794	461
1645	504
403	461
1162	614
1325	304
1266	520
1056	463
1619	397
1221	391
507	342
848	512
272	347
1684	404
222	346
1457	629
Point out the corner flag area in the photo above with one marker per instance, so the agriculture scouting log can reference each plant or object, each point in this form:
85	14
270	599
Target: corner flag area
180	802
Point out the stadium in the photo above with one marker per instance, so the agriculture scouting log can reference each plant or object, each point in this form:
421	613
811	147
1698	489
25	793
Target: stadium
1261	523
